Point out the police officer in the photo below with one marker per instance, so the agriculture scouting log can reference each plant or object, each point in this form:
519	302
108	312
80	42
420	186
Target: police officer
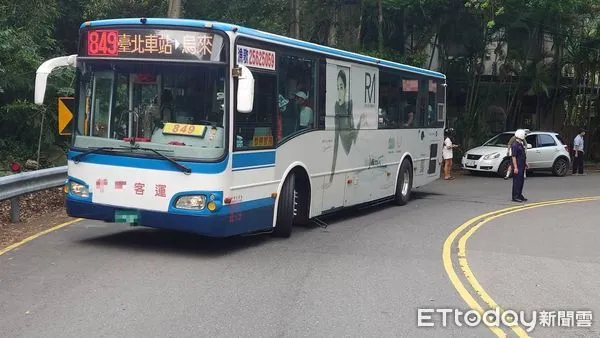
519	159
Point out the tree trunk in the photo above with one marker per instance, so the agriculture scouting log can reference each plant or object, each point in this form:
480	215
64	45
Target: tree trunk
433	48
475	75
332	39
174	9
403	33
538	112
380	25
295	22
558	68
520	77
360	24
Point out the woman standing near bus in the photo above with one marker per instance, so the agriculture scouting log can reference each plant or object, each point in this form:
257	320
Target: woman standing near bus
447	153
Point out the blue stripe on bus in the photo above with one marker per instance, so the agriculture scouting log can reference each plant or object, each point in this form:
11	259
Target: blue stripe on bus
255	167
150	163
253	159
264	35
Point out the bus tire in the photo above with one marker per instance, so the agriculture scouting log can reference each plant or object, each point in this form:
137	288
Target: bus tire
286	209
404	183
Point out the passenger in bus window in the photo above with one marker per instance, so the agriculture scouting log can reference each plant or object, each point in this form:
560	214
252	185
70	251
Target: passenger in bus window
288	113
306	112
410	113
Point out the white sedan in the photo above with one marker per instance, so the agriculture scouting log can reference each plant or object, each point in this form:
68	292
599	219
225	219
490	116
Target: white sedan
545	151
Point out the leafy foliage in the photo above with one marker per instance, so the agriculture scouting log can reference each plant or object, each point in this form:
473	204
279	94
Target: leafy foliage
399	30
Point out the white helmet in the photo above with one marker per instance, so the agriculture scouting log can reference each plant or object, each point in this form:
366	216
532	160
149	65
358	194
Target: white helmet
520	134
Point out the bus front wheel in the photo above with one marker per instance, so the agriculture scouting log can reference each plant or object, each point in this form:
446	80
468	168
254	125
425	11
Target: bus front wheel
286	208
404	183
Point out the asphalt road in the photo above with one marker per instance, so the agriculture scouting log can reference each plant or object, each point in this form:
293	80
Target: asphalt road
365	275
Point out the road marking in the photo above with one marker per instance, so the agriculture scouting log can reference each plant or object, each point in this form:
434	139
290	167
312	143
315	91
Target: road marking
32	237
472	225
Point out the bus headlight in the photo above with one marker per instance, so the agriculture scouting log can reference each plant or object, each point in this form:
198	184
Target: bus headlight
193	202
79	190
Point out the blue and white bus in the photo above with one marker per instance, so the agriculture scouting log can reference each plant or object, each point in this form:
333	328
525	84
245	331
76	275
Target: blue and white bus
221	130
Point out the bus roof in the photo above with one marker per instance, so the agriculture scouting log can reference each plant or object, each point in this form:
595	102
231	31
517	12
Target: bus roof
263	35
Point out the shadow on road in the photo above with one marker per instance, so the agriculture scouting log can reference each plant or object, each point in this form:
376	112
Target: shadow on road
368	209
495	175
165	241
179	243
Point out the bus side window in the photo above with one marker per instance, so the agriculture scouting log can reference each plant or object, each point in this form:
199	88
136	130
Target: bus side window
422	104
431	113
297	95
322	91
441	104
390	100
410	90
255	130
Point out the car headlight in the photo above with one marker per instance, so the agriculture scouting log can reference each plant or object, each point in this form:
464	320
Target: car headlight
491	156
192	202
79	190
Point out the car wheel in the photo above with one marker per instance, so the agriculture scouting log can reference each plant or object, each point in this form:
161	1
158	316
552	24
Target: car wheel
560	167
503	167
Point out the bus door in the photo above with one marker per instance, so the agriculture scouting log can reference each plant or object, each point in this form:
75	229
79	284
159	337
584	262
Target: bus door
431	137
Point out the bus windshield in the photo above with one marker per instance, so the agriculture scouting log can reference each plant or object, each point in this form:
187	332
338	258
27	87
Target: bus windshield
179	108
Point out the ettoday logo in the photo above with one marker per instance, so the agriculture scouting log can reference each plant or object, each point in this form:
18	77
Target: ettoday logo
509	318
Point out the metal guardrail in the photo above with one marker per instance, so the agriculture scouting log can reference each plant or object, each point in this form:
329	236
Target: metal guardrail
13	186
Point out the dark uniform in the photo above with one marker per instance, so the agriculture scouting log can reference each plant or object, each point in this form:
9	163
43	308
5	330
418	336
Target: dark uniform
518	152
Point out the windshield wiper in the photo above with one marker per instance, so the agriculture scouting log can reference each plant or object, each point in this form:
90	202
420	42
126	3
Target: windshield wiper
183	168
78	157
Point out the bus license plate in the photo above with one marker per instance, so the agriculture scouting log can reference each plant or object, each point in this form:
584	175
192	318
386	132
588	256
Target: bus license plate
126	216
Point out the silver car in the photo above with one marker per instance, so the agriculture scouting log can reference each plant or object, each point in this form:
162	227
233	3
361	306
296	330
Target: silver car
546	151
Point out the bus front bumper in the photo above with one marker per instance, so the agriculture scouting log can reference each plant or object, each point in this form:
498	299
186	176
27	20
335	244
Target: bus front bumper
230	220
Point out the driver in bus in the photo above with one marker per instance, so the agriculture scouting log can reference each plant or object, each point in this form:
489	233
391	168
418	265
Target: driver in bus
163	111
166	111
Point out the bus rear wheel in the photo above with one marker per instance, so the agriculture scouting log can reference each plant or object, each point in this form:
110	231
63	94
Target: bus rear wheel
404	183
286	208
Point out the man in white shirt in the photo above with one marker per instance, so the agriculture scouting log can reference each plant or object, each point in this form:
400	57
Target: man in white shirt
578	153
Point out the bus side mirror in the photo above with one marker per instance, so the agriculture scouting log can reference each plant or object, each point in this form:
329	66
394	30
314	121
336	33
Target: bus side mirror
41	76
245	91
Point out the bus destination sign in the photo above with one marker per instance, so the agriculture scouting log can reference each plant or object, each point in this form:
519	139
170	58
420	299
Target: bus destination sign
152	43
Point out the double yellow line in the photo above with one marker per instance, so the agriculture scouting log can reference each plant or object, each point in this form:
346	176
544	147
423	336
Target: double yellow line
466	230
